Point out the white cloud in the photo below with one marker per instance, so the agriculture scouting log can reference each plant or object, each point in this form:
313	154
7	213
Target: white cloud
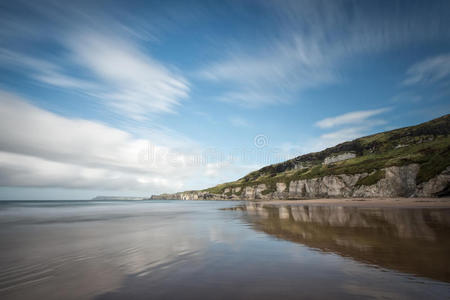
430	70
347	127
330	139
342	135
355	117
41	149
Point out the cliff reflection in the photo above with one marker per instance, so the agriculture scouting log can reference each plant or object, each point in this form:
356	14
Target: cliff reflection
414	241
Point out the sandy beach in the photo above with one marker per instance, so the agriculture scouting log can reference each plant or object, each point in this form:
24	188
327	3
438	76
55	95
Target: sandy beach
368	202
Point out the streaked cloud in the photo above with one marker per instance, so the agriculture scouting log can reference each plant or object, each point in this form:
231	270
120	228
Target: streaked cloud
310	43
430	70
272	75
100	51
43	71
136	84
355	117
125	78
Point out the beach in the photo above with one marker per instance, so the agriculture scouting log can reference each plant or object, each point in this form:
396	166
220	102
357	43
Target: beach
367	202
200	249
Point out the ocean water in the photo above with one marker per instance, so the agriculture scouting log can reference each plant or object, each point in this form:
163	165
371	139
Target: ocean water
204	250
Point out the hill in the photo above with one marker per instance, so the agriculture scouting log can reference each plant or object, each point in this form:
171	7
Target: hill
405	162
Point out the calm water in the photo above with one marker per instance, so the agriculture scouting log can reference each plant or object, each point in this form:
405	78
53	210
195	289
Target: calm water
194	250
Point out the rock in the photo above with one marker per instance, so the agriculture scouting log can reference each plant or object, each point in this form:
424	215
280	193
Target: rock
399	181
339	157
435	185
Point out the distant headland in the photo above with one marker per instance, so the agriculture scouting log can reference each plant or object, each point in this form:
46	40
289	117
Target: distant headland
118	198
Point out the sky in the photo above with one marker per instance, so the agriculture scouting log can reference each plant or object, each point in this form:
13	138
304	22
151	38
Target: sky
134	98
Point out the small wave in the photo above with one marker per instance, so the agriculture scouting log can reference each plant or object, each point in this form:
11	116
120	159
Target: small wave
15	277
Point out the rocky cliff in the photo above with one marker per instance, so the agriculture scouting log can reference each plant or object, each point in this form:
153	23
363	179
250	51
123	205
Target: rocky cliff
407	162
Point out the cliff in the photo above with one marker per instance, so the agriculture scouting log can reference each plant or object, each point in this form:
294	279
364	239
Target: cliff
407	162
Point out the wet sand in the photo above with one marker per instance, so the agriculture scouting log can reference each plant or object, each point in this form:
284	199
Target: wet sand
368	202
196	250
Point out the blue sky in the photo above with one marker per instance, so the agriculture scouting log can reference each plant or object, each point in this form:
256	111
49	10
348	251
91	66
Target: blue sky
143	97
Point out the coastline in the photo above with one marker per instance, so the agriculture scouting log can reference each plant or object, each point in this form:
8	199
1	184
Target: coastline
366	202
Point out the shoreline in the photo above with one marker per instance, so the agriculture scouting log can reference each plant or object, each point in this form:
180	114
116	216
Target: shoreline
366	202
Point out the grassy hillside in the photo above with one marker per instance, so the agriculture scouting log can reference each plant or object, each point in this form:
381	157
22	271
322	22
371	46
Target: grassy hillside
427	144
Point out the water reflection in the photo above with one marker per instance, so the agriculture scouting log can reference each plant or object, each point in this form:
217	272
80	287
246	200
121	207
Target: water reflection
415	241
